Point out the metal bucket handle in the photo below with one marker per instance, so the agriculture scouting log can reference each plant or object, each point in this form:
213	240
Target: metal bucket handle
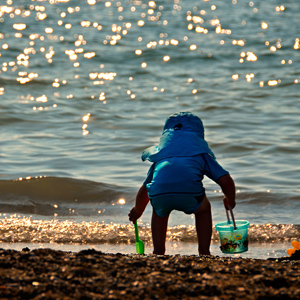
232	217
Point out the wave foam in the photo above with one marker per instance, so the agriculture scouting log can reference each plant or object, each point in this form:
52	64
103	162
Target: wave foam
27	230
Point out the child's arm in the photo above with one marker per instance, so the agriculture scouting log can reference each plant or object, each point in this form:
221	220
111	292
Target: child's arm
228	187
141	202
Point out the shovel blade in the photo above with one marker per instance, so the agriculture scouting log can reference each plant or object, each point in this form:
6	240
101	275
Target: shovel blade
140	247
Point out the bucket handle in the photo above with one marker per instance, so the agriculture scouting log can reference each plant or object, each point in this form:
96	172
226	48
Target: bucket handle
232	216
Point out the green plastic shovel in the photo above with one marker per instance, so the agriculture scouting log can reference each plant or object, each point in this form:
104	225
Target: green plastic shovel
139	244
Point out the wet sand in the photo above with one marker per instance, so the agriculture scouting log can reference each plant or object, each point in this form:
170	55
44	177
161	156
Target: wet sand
90	274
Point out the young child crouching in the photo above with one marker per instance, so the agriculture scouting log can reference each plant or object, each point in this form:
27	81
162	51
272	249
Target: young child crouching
174	180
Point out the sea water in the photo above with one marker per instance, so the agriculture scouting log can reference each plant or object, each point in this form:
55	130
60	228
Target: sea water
85	87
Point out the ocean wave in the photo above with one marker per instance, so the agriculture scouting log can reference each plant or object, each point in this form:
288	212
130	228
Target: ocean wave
36	194
26	230
63	196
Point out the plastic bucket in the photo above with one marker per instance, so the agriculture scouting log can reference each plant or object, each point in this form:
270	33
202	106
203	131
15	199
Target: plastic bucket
233	241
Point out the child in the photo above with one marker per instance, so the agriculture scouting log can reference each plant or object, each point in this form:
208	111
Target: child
174	180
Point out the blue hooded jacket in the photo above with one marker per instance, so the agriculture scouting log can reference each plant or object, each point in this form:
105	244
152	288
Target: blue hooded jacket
181	159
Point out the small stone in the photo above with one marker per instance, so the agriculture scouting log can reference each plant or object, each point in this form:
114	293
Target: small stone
207	277
258	277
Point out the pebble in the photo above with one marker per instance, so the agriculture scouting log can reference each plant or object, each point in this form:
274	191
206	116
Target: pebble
90	274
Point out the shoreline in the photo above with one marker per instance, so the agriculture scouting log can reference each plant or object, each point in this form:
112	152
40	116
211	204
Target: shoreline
90	274
255	251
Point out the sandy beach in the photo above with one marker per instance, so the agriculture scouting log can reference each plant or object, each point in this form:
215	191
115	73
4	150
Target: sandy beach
91	274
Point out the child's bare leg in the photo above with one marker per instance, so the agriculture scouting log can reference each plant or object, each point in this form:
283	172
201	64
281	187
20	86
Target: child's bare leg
159	227
204	227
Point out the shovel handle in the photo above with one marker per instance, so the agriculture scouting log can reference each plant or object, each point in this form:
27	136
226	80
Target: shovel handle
136	231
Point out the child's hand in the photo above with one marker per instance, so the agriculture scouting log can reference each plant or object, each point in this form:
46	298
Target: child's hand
227	185
134	215
141	202
227	204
